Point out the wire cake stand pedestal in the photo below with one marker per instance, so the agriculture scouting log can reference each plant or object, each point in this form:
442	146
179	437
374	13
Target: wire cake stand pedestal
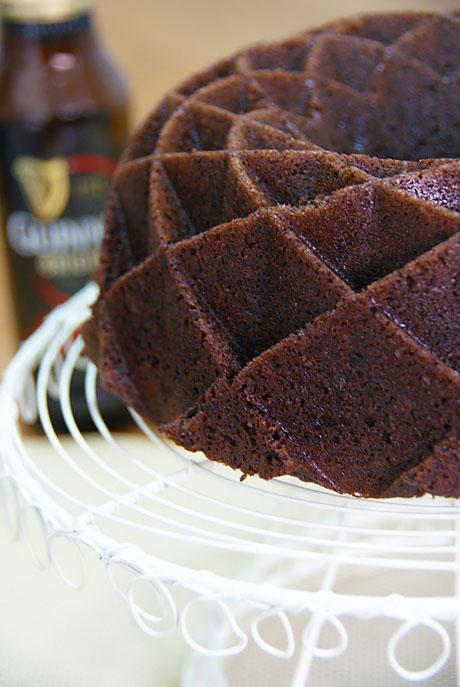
277	582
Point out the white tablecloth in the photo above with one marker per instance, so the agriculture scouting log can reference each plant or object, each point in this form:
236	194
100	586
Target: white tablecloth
51	636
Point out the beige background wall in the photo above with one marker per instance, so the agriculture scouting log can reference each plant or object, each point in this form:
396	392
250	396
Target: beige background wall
159	42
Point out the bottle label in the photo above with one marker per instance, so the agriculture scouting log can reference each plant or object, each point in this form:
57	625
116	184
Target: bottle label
54	227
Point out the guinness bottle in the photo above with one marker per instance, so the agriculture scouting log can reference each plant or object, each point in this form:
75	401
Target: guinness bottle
63	124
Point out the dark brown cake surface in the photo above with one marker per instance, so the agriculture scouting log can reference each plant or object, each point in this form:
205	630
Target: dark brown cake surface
280	272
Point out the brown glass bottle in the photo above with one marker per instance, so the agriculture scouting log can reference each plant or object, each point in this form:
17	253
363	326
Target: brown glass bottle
63	125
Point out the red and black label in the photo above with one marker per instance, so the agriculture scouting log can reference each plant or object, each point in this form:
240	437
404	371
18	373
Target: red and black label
56	185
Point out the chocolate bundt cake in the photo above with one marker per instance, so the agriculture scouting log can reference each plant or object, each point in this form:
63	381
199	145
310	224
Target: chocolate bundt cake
280	272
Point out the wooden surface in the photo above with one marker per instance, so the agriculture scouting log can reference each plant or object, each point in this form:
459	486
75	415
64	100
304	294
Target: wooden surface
159	42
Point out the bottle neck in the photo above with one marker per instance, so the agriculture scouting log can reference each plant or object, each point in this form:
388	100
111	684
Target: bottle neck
75	33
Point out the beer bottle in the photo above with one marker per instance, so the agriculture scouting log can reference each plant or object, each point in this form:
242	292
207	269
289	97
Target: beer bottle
63	124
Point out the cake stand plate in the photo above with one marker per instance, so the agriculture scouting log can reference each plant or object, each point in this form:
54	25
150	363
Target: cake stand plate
299	576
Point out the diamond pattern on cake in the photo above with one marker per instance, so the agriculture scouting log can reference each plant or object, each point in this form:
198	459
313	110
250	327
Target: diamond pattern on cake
423	298
372	368
280	269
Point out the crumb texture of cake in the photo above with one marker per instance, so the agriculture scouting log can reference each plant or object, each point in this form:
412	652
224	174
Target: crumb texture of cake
280	270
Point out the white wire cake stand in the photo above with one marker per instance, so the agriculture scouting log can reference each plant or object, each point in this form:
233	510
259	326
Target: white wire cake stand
297	574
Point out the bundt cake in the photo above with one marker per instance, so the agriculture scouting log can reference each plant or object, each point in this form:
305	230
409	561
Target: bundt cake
280	271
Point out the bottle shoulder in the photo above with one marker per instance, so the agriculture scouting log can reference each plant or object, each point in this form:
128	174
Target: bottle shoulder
42	84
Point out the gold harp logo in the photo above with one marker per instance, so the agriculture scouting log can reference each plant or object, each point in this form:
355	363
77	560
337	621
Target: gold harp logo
45	184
